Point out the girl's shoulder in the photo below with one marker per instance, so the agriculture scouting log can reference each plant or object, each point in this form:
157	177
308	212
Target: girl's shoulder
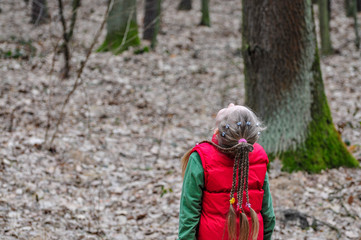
258	153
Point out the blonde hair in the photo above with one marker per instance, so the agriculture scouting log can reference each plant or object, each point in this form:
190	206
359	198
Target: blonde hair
236	123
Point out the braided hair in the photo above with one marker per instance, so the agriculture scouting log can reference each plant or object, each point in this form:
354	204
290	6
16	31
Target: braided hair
238	129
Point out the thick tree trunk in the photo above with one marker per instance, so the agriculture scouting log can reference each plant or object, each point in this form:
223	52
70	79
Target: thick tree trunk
205	21
151	20
359	5
122	28
39	12
185	5
324	17
284	85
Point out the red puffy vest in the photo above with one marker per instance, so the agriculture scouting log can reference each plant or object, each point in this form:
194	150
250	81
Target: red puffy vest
218	169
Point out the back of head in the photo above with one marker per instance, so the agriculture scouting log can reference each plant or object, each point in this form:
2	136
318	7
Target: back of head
237	122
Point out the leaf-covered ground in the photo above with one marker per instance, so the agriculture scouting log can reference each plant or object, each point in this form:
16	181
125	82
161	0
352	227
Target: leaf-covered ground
113	172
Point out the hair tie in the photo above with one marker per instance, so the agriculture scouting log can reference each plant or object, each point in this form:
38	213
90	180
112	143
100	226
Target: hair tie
242	140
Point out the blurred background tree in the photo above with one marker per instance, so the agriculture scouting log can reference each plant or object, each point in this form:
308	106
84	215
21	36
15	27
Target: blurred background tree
151	21
39	11
356	5
122	28
185	5
324	18
205	20
284	85
67	33
350	5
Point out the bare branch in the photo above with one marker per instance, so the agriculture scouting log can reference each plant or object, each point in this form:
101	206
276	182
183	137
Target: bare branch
78	80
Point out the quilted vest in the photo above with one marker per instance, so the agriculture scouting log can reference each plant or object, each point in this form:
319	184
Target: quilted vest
218	170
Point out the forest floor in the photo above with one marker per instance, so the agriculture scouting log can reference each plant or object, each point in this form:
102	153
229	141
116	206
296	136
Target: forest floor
113	172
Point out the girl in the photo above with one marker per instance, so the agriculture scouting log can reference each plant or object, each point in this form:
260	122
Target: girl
225	192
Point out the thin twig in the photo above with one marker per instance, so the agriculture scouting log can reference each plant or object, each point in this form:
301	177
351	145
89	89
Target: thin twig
87	114
127	27
164	124
76	4
78	80
62	19
48	105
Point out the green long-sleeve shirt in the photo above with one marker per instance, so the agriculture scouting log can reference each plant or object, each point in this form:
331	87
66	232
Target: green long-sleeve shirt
191	202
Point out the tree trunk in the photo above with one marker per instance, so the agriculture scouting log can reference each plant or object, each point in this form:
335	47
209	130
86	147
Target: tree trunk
324	17
356	26
151	20
39	12
348	8
284	85
185	5
67	34
122	28
205	21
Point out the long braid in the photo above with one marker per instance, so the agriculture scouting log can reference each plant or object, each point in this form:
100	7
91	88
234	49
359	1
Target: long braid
255	223
235	166
240	179
231	216
246	175
243	221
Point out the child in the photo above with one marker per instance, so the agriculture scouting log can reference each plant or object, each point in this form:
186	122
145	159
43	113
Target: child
225	191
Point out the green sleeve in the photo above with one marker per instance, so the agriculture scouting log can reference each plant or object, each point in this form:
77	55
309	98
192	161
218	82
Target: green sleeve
191	198
269	218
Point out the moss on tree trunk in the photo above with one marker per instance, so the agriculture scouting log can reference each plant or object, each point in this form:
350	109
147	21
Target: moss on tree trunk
122	28
323	147
284	86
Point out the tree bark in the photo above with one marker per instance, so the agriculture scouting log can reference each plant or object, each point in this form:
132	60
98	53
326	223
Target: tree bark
324	17
205	20
122	28
284	85
151	20
39	12
185	5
